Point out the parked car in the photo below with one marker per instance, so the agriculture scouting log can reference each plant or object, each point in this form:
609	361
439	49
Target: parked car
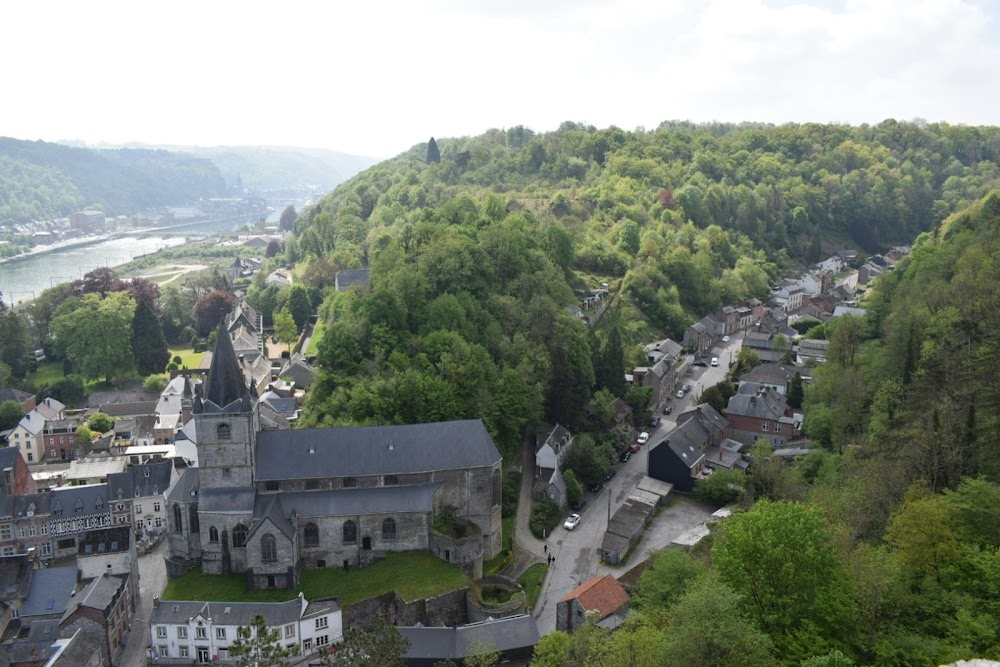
725	339
612	471
685	388
654	422
667	409
596	486
643	437
578	505
634	447
626	455
701	363
572	521
715	361
680	393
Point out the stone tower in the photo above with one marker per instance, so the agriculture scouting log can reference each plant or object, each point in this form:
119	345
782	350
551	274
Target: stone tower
225	422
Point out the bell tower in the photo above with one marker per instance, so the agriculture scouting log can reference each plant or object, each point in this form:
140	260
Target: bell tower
226	421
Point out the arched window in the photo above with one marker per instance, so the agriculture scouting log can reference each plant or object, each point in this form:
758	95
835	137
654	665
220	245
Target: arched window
497	488
239	535
388	529
213	534
312	535
268	548
350	532
178	526
193	522
223	432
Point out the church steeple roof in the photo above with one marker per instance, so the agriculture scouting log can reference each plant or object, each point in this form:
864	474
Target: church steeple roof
225	378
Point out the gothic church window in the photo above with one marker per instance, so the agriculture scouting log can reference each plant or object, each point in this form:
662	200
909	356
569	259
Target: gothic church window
239	535
350	532
223	432
268	548
389	529
193	511
312	535
178	527
497	488
213	534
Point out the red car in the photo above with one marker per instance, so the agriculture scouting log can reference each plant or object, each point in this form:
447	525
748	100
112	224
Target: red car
634	447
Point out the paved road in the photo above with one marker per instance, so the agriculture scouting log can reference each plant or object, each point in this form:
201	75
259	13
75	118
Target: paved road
152	579
576	551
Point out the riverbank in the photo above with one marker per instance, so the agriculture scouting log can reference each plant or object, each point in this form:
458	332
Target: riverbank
59	245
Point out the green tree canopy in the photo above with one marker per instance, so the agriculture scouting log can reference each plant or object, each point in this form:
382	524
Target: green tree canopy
96	333
101	423
148	343
257	645
10	414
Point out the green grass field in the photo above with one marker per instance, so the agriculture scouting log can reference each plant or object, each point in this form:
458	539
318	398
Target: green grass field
412	574
531	581
46	373
189	358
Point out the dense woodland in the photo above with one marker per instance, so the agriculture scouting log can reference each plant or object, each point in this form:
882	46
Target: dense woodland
41	181
880	548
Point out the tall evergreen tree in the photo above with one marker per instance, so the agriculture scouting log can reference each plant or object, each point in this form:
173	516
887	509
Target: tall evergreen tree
795	391
614	363
148	342
433	154
299	306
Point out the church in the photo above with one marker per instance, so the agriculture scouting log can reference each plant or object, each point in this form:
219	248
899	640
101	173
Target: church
268	503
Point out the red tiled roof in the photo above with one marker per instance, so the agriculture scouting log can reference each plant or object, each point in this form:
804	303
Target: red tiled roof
601	594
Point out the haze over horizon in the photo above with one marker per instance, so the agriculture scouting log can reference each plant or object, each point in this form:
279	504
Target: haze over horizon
375	79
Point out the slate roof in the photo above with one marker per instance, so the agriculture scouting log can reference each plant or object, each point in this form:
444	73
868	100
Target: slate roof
685	440
374	450
15	577
708	415
33	422
115	539
91	499
99	594
269	509
11	394
365	500
139	481
503	634
775	374
228	499
81	647
765	404
226	384
8	457
321	606
18	506
601	594
50	592
299	370
279	404
50	408
227	613
346	278
185	487
102	467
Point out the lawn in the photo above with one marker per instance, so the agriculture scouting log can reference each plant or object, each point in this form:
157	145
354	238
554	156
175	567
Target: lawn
189	358
531	581
47	373
412	574
314	340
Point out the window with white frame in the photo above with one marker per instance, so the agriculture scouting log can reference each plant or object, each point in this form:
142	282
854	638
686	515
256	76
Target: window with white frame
161	632
6	532
223	654
307	645
163	652
321	622
138	509
156	507
184	652
290	630
20	531
182	633
46	549
220	633
7	551
200	633
322	640
32	530
763	426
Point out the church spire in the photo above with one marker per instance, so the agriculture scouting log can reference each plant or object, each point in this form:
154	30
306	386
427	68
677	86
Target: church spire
225	378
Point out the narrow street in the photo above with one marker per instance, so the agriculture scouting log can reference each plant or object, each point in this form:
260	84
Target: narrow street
577	552
152	579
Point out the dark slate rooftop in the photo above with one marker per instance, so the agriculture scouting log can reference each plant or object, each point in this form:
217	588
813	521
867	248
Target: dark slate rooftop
762	405
19	506
227	613
50	592
141	481
99	594
80	500
226	384
229	499
115	539
504	634
185	487
11	394
374	450
370	500
269	510
15	577
685	440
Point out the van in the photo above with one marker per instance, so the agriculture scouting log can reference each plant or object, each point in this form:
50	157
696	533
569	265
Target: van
715	361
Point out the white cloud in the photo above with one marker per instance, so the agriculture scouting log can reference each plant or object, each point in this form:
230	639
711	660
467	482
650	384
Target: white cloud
377	77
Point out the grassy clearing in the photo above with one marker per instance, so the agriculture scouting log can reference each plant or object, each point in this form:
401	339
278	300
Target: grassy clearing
317	336
189	358
47	373
412	574
531	581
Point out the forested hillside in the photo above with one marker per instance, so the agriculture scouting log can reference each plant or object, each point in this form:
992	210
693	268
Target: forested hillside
40	180
272	168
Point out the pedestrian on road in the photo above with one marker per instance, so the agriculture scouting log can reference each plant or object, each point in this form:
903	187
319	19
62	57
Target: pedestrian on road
545	548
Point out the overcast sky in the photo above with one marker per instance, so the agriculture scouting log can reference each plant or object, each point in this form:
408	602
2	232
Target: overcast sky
374	78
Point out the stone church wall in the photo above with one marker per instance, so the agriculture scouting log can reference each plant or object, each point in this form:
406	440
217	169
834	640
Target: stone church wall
448	609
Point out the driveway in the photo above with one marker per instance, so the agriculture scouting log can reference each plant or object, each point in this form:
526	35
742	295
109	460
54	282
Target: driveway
152	580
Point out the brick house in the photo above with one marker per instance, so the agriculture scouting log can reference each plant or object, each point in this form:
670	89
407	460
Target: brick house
758	412
602	599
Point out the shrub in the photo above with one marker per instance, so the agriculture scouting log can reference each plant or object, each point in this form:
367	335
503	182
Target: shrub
177	360
545	516
721	488
155	383
171	366
188	334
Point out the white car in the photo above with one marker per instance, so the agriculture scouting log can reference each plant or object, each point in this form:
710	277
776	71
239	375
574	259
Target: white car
572	521
643	437
725	339
715	361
